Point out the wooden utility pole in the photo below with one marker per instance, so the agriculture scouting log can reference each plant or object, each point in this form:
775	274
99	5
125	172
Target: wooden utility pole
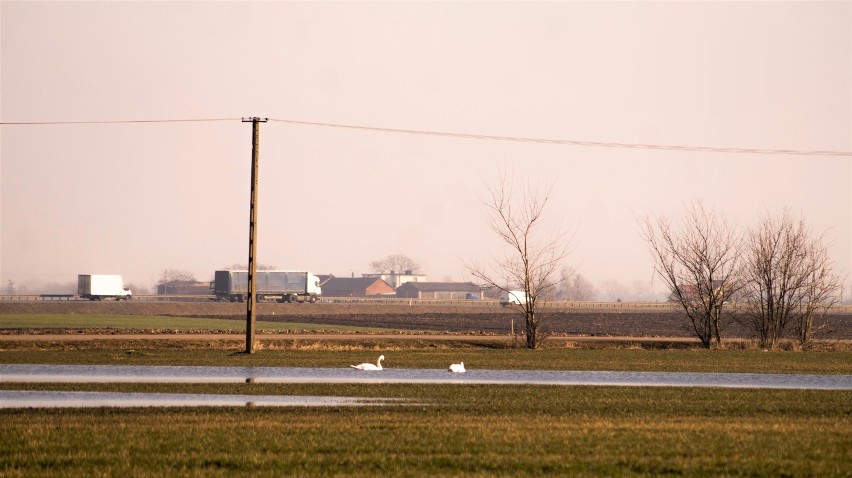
252	266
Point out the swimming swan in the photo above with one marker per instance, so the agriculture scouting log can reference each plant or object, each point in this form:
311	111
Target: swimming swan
369	366
457	367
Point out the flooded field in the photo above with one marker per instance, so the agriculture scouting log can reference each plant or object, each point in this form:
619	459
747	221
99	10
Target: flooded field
23	373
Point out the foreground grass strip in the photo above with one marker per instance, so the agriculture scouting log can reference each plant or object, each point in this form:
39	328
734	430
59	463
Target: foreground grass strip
90	399
404	355
466	431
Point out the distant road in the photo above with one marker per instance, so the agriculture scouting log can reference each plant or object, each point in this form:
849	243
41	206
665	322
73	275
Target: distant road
209	299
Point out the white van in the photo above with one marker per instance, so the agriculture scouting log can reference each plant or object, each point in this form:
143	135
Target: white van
517	297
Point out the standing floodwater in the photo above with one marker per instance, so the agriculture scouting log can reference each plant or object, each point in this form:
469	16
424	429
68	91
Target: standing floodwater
188	374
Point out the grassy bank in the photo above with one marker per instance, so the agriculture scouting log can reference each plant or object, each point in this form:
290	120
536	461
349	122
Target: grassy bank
454	431
414	354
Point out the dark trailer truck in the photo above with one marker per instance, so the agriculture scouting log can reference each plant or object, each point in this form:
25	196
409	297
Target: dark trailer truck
283	286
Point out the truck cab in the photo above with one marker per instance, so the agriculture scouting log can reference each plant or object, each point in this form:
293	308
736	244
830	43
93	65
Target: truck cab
314	289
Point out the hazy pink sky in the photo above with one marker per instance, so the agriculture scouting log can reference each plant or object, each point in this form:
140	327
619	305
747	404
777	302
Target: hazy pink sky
134	199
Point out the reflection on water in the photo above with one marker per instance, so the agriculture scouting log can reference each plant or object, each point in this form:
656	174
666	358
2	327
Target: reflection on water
47	399
185	374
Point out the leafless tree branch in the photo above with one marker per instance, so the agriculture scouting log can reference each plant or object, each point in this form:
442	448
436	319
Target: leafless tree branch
791	283
699	263
532	258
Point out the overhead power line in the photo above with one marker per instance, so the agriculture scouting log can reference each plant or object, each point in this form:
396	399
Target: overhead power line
182	120
485	137
568	142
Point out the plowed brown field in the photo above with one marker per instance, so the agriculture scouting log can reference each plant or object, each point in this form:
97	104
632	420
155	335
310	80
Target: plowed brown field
598	322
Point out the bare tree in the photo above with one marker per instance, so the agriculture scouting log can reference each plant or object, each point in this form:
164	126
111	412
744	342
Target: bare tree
532	257
822	291
699	264
171	275
790	280
613	290
168	276
398	263
575	287
137	289
642	290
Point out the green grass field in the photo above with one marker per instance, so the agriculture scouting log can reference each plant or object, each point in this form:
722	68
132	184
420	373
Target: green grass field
441	430
461	430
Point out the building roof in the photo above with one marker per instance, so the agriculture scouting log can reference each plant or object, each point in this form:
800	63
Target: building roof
442	286
392	273
335	284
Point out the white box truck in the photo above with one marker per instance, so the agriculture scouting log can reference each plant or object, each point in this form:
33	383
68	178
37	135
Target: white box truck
514	297
283	286
102	286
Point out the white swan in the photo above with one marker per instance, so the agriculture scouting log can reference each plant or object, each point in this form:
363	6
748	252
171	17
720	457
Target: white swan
457	367
369	366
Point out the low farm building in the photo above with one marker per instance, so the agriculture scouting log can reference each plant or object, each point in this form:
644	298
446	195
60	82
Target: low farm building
396	279
355	287
440	290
